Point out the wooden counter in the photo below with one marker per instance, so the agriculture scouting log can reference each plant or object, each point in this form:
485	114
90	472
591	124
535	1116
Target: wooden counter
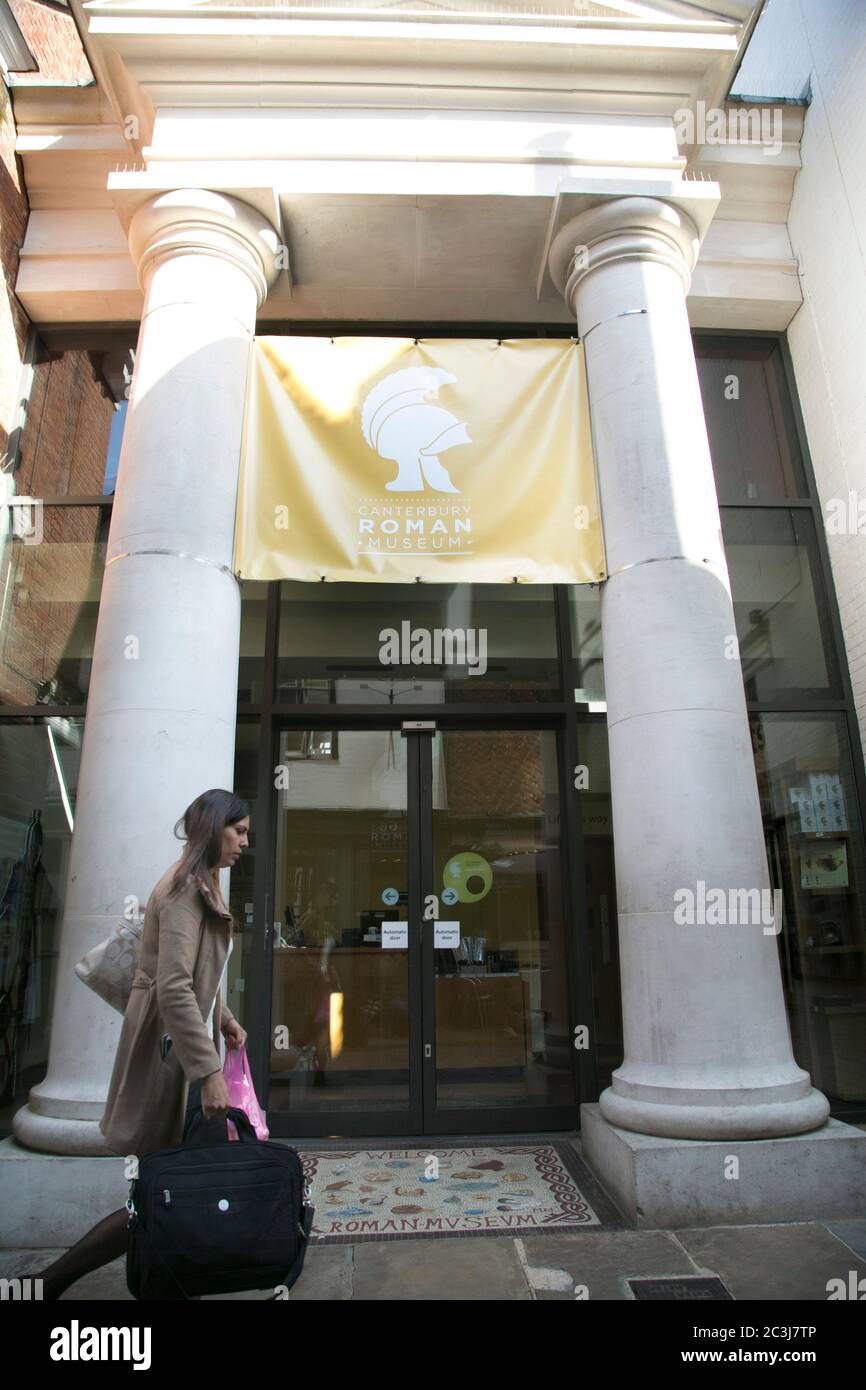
482	1020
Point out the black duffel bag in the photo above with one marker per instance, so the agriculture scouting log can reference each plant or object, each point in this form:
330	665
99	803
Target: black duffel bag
215	1216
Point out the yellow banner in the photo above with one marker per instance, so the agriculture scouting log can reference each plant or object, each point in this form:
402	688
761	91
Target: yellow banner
444	460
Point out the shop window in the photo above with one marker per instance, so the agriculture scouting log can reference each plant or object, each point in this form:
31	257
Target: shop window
782	617
251	661
240	899
750	421
38	782
816	857
332	647
49	598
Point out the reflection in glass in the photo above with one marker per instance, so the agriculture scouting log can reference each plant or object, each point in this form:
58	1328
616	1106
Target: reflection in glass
502	1019
49	597
584	608
241	885
38	783
340	1022
750	423
815	852
784	636
332	647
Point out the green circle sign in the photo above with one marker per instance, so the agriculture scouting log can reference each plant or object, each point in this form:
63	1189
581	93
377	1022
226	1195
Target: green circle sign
469	875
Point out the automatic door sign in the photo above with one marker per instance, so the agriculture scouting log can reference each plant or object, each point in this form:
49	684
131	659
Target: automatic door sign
446	935
469	875
395	936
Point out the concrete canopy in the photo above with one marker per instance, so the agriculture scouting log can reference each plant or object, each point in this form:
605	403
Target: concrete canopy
415	158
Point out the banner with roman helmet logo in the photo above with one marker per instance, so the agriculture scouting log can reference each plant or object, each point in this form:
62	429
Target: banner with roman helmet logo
440	460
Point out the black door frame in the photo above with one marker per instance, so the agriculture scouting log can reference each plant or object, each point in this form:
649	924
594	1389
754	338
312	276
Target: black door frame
562	717
423	1115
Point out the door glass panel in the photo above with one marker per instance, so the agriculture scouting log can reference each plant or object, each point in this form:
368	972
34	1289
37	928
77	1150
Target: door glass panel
340	1017
501	995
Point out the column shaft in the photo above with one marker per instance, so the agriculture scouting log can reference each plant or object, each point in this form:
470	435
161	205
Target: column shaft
707	1044
160	725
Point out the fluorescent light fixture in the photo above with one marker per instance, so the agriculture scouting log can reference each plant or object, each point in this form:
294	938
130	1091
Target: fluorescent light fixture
59	771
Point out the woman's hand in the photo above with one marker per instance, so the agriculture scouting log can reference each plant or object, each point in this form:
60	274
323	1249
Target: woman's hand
234	1035
214	1095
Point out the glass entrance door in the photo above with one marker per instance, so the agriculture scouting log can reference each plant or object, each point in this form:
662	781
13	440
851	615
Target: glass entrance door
495	968
342	969
419	979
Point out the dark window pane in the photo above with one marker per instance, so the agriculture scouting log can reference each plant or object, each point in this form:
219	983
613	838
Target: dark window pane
747	406
332	640
781	614
251	662
38	781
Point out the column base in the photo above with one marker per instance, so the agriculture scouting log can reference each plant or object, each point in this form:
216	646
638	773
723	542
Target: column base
758	1120
51	1200
59	1134
662	1183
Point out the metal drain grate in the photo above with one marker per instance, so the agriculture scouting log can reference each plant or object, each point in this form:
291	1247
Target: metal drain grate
686	1286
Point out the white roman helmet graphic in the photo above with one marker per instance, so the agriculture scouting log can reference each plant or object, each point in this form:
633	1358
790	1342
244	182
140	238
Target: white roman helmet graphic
401	422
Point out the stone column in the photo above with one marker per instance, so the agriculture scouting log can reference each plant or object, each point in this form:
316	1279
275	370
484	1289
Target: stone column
707	1044
160	725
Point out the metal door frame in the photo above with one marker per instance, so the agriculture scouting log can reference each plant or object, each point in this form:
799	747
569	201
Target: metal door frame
422	1116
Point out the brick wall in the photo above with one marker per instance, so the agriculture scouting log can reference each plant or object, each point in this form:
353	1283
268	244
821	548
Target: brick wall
54	43
13	220
68	422
53	40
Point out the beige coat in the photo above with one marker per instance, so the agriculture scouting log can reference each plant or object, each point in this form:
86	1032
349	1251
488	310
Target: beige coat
183	951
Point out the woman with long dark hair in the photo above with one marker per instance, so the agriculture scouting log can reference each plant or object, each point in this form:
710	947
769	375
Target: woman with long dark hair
168	1051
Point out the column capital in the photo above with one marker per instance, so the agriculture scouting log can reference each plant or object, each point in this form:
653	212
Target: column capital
198	221
623	229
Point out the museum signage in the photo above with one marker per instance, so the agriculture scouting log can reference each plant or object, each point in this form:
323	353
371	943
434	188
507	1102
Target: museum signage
439	460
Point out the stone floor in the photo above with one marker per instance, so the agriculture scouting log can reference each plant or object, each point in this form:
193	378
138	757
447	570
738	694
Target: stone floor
780	1262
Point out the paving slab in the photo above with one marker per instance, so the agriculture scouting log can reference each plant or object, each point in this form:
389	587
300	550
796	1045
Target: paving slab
852	1232
763	1263
773	1263
328	1275
469	1267
106	1284
601	1261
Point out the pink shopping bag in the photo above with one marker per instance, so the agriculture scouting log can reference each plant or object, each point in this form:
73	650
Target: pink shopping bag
236	1070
